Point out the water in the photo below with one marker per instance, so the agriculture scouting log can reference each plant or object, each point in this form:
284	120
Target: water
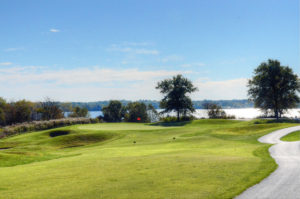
241	113
94	114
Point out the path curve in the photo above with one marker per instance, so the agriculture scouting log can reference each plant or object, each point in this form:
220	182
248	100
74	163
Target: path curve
284	182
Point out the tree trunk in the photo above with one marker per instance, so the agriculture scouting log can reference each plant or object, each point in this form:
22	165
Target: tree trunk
178	116
276	114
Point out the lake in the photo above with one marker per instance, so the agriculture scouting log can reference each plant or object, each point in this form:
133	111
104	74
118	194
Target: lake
241	113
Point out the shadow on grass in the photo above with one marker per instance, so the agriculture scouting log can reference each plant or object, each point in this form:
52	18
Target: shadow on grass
167	124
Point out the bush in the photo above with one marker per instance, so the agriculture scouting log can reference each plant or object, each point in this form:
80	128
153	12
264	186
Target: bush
174	119
136	112
282	120
42	125
114	111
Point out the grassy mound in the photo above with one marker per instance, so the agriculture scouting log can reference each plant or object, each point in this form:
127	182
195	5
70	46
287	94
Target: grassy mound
41	146
83	139
295	136
199	159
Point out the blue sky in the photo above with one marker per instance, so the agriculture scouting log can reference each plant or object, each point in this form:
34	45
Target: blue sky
99	50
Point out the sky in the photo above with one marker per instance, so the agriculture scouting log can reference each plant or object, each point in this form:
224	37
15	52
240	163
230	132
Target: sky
88	50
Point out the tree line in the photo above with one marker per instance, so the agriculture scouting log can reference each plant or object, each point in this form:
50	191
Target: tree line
132	112
197	104
273	88
26	111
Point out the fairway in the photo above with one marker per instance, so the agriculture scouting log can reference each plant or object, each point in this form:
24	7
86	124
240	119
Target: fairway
200	159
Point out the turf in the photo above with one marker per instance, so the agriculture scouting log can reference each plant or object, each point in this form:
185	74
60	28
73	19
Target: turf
201	159
295	136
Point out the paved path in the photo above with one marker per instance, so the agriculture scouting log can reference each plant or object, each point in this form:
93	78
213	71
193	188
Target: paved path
284	183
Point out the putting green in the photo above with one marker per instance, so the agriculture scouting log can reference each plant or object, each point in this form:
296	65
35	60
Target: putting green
122	126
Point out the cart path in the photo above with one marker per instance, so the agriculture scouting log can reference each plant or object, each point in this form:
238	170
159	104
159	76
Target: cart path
284	182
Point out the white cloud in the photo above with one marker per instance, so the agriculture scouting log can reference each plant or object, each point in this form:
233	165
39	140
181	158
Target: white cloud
126	43
15	69
198	64
54	30
36	92
171	58
227	89
13	49
146	51
131	48
5	63
80	75
95	83
85	84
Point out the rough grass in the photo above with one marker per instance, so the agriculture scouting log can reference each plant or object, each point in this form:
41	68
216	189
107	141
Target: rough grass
295	136
200	159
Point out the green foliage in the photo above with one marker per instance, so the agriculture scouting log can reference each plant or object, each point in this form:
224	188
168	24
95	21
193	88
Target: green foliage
274	88
152	113
175	119
176	99
2	111
41	125
79	112
50	110
215	111
132	112
23	111
2	117
67	106
198	104
136	112
114	111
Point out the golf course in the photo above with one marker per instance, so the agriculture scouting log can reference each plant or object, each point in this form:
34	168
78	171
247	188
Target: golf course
208	158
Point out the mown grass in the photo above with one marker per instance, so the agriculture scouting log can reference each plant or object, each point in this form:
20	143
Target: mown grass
295	136
200	159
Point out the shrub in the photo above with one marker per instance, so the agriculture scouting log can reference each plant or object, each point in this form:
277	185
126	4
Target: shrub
42	125
136	112
174	119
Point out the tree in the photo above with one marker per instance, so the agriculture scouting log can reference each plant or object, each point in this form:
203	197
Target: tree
79	112
2	111
23	111
176	99
214	110
114	111
152	113
273	88
136	112
66	107
50	110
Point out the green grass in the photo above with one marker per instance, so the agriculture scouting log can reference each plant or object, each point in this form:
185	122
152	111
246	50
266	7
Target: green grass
295	136
201	159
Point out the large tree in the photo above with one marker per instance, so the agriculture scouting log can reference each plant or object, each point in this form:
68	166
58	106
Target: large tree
114	111
136	112
79	112
50	110
273	88
176	97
